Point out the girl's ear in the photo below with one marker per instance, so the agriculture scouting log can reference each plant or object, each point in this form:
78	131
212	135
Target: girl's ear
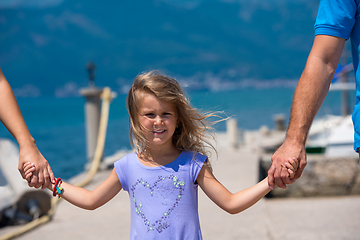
177	123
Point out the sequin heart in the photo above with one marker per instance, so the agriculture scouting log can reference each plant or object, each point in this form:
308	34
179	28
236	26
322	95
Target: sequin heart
167	190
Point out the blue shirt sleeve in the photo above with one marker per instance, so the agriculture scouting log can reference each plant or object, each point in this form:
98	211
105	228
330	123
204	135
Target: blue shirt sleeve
121	169
196	165
336	18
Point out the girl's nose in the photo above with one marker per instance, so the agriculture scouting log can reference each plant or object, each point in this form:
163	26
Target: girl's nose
158	119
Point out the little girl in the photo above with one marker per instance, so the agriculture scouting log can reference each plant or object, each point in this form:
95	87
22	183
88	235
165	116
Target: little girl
169	163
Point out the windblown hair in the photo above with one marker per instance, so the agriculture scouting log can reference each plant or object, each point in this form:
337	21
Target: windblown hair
193	131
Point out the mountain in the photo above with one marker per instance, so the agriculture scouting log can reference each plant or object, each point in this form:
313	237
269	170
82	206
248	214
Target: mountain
45	46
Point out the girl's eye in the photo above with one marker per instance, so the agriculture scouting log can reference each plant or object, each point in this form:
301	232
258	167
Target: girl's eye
149	115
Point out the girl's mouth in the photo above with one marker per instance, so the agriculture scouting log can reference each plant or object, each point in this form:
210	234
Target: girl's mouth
158	131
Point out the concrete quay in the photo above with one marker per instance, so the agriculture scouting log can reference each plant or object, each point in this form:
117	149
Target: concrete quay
327	218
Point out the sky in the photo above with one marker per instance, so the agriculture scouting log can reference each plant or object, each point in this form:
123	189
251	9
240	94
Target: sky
212	44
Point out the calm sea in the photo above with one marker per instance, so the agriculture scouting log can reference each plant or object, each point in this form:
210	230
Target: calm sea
57	124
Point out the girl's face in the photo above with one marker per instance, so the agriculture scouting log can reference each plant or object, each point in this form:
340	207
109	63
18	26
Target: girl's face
158	120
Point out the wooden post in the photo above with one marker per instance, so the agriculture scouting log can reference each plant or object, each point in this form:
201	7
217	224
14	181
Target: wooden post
92	111
231	128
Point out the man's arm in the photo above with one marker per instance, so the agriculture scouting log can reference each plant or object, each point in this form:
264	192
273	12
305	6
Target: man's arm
309	95
13	120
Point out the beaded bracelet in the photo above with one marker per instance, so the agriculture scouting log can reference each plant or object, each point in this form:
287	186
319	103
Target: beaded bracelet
57	189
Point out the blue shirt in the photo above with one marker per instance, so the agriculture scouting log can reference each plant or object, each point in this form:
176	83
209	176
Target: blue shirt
341	18
163	200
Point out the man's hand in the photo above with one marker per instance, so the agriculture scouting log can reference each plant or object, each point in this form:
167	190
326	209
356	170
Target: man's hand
309	95
278	174
43	173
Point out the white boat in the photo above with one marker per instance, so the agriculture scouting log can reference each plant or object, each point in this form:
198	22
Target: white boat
18	202
333	136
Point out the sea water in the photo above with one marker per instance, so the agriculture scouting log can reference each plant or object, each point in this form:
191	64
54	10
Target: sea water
58	124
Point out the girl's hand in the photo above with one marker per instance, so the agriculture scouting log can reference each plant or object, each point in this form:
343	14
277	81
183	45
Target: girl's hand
28	169
292	166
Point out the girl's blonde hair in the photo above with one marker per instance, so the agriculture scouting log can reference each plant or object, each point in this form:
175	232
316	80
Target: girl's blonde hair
193	127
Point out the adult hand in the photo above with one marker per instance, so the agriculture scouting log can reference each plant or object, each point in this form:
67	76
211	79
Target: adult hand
13	120
278	174
43	173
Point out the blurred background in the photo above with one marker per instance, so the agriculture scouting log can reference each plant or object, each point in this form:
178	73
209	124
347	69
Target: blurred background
237	56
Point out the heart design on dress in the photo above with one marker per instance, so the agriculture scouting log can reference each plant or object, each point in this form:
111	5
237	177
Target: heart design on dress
162	189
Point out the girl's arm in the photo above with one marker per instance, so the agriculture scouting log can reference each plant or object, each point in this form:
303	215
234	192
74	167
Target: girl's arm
229	202
238	202
91	200
82	197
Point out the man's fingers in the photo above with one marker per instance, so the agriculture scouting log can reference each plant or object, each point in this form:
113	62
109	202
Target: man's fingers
278	179
296	163
285	175
271	180
290	167
280	183
299	171
292	181
293	162
291	174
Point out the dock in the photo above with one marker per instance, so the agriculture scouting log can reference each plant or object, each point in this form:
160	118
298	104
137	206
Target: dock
330	218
